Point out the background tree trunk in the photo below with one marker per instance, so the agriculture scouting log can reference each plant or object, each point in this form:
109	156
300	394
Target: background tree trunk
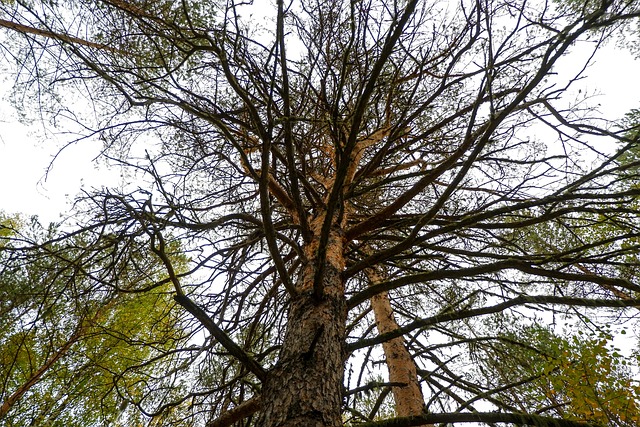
408	399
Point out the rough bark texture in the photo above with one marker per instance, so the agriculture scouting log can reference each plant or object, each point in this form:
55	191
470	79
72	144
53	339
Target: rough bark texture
409	400
305	388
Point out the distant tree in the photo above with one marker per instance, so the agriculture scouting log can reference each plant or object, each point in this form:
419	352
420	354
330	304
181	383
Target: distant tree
75	349
581	377
331	155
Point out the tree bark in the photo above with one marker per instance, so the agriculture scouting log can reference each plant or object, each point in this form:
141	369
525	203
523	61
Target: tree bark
305	388
238	413
408	399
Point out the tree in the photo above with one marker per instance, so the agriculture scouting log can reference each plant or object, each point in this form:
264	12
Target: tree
75	353
581	377
298	154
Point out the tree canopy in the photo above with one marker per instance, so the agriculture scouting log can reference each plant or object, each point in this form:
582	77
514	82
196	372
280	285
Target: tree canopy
73	350
331	188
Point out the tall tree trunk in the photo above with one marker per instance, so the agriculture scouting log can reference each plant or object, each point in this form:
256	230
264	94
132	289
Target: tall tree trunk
36	376
305	388
402	368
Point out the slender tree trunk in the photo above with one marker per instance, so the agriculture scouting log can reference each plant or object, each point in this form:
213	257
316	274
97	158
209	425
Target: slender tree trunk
305	388
408	398
36	376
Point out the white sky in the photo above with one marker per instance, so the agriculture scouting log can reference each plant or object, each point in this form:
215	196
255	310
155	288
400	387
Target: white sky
30	181
29	186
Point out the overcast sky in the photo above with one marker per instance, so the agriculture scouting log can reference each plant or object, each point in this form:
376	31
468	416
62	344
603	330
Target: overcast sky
32	185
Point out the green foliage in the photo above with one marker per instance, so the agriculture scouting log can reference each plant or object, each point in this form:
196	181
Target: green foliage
630	159
627	35
579	376
74	351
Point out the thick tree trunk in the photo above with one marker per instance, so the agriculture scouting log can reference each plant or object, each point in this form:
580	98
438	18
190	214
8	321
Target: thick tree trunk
408	398
305	387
